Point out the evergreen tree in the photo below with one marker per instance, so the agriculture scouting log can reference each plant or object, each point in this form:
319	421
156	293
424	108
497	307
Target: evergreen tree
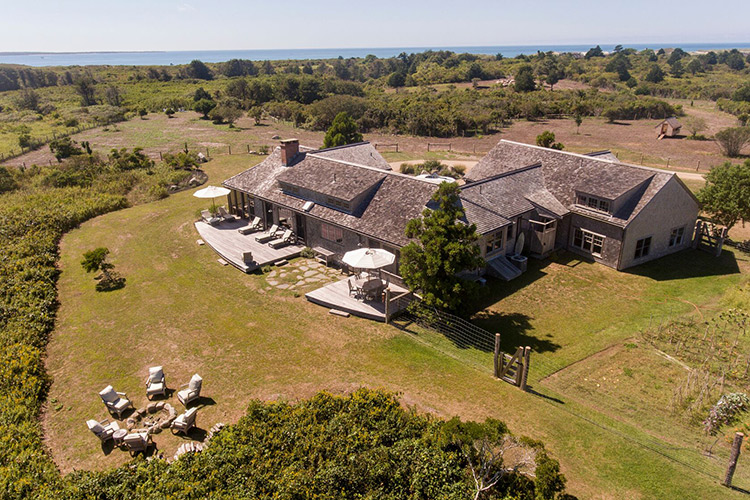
444	247
525	79
343	131
726	195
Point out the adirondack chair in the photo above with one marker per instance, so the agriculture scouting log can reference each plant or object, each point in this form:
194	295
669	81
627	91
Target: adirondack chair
116	402
255	225
286	239
104	429
268	235
185	422
155	382
192	391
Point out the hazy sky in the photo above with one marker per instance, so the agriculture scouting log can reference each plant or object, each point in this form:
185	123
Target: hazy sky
91	25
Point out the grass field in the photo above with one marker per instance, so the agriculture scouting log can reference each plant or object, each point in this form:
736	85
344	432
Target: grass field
633	141
183	310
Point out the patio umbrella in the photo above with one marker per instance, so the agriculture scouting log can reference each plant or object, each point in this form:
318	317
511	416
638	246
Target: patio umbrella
368	258
212	192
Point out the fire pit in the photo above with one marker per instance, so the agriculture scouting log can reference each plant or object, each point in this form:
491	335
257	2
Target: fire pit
153	418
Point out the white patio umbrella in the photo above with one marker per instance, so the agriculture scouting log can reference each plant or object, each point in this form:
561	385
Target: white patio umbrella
368	258
212	192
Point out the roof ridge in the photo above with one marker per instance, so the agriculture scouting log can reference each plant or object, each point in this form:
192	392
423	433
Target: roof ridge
501	175
343	146
593	158
368	167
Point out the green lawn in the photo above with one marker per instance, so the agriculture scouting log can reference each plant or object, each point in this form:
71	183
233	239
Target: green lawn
183	310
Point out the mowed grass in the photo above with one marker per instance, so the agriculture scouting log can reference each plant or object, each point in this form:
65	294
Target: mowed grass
182	310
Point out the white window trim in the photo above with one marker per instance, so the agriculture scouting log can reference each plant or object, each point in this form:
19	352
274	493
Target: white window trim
592	233
598	199
682	237
651	244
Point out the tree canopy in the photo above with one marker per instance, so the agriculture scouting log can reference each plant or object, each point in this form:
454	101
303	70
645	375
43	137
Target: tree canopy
525	79
444	247
726	195
732	140
343	131
547	140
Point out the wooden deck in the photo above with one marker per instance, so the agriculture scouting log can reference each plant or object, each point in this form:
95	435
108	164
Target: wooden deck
230	245
336	296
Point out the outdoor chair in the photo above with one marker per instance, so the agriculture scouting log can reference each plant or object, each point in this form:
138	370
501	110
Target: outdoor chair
268	235
185	422
247	257
192	391
286	239
137	441
353	289
208	218
224	214
104	429
255	225
155	382
116	402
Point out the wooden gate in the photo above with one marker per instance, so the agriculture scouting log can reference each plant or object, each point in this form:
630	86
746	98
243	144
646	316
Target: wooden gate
514	368
709	237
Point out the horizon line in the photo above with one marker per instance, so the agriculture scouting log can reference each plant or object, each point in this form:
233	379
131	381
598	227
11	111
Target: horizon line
745	44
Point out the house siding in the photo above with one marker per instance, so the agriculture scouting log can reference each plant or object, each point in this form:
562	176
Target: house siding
671	208
612	242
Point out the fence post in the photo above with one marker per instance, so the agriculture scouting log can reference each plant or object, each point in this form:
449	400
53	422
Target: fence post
699	166
428	147
387	305
230	148
501	359
160	157
668	162
397	147
207	155
525	373
733	457
497	353
248	149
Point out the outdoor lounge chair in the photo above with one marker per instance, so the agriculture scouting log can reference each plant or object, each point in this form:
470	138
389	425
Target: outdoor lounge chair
255	225
137	441
104	429
224	214
268	235
192	391
208	218
286	239
185	422
155	383
116	402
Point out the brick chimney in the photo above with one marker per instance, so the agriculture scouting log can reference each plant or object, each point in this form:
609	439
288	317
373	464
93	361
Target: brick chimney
289	149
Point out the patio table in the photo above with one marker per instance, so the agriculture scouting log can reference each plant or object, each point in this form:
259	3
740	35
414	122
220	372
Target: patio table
118	436
369	286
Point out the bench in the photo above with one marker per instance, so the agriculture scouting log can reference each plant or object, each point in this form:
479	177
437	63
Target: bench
323	255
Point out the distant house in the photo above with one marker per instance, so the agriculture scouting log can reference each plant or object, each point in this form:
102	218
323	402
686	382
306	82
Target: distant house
339	199
668	128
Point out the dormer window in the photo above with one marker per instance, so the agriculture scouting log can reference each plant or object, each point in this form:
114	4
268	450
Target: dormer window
593	203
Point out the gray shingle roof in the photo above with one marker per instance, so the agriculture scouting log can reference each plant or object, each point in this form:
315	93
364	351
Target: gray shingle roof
330	178
362	153
565	173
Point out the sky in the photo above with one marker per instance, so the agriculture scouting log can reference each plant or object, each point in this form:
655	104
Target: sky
134	25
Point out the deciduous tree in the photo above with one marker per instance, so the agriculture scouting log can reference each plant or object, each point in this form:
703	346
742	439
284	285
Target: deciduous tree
732	140
726	195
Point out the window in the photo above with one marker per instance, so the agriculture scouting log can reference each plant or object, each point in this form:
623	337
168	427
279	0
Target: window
677	237
494	242
642	247
593	203
331	233
588	241
335	202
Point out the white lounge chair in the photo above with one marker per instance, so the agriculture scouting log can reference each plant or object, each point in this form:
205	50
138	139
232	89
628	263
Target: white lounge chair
208	218
192	391
255	225
104	429
116	402
185	422
224	214
286	239
155	382
137	441
268	235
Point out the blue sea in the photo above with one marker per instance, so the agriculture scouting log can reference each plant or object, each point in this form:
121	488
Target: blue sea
156	58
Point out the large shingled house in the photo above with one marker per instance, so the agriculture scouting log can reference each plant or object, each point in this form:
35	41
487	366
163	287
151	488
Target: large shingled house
342	198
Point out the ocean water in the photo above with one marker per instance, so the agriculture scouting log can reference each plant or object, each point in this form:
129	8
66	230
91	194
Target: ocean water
166	58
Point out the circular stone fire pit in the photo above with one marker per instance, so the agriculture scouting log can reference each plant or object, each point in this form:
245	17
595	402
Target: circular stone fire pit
154	417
